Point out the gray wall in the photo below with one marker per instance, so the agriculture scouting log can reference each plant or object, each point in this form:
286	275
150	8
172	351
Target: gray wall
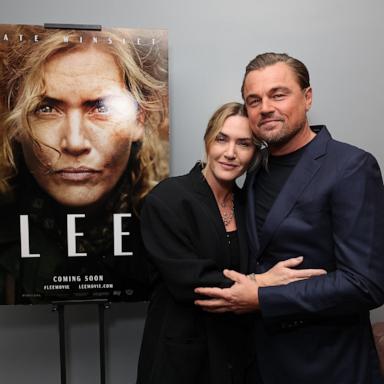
210	43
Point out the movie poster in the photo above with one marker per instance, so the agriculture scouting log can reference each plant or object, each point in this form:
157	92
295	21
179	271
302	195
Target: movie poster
83	139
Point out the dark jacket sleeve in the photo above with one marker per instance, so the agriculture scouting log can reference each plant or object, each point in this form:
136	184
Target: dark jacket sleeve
357	283
169	241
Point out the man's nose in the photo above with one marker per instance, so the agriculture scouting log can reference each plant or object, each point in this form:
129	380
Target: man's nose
266	106
74	140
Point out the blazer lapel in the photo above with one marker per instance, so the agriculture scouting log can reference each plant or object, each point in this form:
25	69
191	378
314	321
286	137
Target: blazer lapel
303	173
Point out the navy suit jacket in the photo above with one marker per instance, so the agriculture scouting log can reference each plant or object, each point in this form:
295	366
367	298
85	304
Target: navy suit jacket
331	211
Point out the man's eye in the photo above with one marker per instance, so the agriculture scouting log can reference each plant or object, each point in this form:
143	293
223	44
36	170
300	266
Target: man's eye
278	96
254	102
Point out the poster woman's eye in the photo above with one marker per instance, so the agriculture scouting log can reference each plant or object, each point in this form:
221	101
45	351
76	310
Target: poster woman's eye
100	107
47	109
44	109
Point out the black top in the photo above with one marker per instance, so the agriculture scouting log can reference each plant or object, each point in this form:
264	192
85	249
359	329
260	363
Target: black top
234	250
271	180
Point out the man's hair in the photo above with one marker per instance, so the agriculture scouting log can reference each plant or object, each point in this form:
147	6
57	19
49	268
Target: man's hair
144	69
270	58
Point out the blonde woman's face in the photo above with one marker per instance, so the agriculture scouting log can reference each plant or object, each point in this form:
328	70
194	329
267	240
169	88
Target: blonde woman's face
230	154
86	124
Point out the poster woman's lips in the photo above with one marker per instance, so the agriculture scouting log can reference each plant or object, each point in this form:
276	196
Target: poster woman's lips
77	174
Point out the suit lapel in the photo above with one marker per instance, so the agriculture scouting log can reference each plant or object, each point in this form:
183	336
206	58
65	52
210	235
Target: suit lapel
300	177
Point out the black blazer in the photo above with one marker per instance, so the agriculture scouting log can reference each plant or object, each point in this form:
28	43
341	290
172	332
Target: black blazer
331	211
186	241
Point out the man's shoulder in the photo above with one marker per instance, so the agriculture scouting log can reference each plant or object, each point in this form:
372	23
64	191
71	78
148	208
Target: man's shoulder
337	145
345	153
343	159
323	139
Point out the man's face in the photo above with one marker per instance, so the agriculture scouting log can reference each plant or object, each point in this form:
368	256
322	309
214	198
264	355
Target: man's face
277	106
86	124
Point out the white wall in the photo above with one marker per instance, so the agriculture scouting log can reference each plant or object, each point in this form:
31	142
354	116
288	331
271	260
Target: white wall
210	41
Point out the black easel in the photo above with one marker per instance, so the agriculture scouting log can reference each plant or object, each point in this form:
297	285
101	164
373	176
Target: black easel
59	307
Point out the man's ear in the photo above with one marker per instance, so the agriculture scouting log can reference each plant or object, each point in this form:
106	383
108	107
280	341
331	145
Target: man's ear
308	98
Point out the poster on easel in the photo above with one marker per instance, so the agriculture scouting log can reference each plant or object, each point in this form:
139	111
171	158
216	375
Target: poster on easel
84	136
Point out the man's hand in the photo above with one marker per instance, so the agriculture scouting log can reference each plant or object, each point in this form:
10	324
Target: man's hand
242	297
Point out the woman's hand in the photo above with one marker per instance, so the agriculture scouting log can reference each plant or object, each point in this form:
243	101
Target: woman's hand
283	273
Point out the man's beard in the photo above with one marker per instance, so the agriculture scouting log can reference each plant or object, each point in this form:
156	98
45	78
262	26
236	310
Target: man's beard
282	137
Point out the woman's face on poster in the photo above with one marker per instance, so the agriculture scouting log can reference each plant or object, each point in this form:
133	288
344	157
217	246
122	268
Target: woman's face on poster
85	124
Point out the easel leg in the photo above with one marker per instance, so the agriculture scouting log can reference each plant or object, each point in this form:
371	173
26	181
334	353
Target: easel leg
102	307
63	370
